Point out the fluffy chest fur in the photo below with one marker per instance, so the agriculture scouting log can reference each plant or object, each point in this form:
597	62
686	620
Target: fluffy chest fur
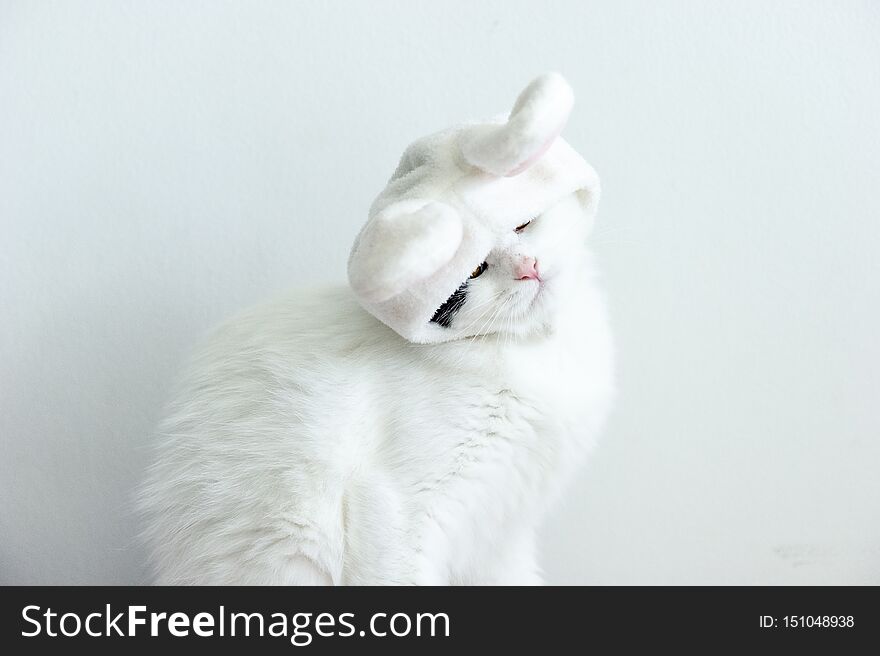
500	425
358	457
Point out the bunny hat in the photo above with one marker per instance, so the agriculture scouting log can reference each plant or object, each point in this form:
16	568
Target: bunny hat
452	195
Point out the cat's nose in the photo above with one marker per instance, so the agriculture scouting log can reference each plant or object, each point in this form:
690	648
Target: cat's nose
526	269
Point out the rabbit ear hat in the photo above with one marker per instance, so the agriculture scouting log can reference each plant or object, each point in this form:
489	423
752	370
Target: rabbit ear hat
452	195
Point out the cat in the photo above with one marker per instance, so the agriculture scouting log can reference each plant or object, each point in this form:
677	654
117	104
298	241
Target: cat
344	436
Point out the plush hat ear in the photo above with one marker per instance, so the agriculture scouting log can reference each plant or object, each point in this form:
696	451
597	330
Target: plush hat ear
537	118
402	245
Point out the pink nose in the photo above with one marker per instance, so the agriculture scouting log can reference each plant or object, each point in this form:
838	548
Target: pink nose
526	269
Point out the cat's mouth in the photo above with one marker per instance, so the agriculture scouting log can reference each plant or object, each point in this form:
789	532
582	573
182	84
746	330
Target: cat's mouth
531	295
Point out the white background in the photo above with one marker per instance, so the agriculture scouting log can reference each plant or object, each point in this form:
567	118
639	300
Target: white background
163	164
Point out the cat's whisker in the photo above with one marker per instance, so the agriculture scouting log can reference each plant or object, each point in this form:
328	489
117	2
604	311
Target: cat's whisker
487	328
489	307
488	310
491	313
498	312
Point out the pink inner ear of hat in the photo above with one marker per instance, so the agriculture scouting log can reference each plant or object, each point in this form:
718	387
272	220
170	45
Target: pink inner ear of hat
537	155
538	117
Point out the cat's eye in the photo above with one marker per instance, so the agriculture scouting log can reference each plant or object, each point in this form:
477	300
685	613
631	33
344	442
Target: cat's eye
522	226
478	271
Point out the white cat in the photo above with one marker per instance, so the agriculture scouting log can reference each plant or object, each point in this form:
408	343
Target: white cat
310	443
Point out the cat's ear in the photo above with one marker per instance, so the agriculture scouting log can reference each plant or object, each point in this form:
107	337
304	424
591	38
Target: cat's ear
402	245
537	118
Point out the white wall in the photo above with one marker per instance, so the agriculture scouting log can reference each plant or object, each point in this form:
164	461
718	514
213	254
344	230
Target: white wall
163	164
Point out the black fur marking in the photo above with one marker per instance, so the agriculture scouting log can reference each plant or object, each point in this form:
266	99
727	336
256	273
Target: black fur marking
450	308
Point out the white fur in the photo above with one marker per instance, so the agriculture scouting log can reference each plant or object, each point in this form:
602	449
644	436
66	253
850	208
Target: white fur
311	444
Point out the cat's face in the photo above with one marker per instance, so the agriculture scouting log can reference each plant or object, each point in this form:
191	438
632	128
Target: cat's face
519	287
